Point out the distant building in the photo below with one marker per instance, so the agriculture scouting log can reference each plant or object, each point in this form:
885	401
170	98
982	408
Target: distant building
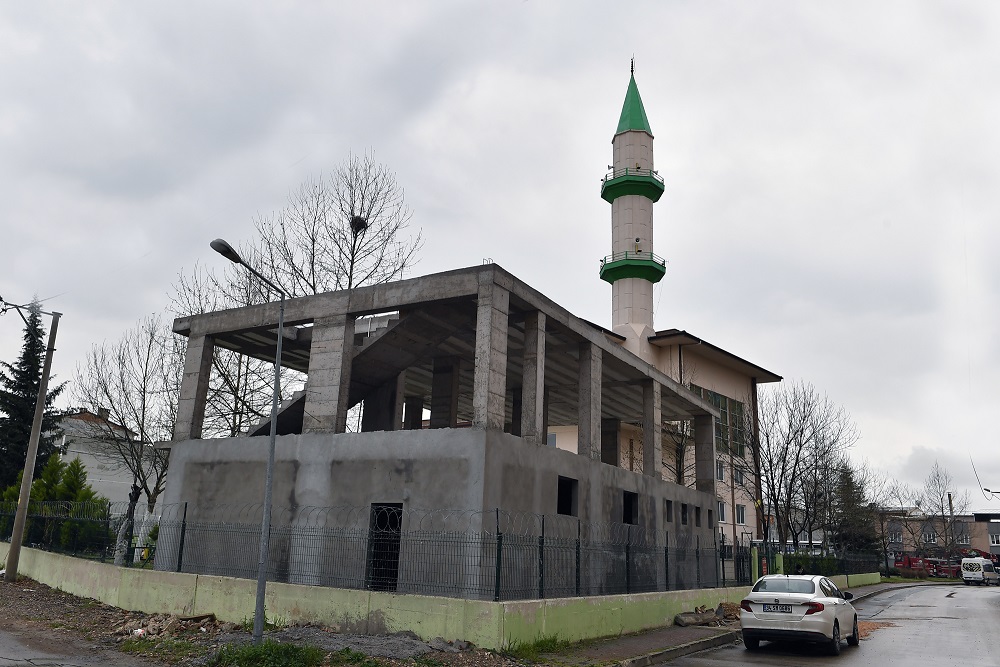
83	438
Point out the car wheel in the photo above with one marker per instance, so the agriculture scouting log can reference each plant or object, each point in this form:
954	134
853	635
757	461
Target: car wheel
855	638
751	643
835	641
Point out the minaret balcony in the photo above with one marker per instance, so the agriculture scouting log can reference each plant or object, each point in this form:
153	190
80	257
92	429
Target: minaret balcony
628	181
630	264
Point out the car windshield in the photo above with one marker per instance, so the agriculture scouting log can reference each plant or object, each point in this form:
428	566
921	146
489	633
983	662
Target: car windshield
785	585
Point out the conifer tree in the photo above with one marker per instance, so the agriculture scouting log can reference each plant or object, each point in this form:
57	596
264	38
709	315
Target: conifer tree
18	393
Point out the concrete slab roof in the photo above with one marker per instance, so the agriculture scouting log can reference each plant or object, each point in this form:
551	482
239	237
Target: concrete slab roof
434	316
669	337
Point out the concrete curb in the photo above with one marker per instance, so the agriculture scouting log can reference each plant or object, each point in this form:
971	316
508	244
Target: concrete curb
663	655
865	596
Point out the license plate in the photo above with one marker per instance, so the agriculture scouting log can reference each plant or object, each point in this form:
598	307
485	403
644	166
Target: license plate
781	608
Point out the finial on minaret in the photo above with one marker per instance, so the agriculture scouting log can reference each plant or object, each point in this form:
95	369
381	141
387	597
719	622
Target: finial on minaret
633	65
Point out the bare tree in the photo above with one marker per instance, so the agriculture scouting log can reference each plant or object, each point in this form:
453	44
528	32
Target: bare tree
339	232
882	490
133	384
800	428
940	501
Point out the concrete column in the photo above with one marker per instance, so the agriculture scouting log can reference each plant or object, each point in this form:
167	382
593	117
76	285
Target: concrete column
704	453
610	437
532	411
588	441
382	408
444	392
414	413
329	375
515	411
194	388
489	390
545	416
652	436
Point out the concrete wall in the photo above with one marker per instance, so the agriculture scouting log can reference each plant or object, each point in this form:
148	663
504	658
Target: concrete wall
472	470
492	625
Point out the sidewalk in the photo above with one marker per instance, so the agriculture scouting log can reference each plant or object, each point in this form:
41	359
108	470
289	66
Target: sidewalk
662	644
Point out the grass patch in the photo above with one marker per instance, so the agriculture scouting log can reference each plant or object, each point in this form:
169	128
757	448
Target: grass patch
274	623
164	648
532	650
269	654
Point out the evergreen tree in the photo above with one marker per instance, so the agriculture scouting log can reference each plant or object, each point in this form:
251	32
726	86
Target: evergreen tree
18	393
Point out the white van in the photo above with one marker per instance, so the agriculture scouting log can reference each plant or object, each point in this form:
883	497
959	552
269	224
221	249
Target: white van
979	571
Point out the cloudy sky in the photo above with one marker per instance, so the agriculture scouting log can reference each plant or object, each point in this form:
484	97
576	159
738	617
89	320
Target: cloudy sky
831	171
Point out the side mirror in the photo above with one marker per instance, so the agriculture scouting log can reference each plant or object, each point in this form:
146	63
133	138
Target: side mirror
848	596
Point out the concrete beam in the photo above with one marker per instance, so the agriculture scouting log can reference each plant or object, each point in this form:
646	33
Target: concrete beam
329	379
704	453
652	434
589	426
194	388
533	379
489	392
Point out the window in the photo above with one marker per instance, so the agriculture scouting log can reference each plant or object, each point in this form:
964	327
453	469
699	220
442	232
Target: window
741	514
720	471
722	511
930	538
630	508
729	427
711	521
668	511
566	495
962	539
995	540
737	476
684	514
550	440
697	517
896	537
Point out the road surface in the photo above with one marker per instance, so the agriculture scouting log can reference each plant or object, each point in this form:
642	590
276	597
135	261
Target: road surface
24	648
930	625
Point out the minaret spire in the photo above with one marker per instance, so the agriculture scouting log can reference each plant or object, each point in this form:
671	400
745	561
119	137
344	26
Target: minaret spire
632	187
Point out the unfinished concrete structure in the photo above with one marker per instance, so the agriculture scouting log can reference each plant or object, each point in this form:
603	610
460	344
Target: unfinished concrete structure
502	372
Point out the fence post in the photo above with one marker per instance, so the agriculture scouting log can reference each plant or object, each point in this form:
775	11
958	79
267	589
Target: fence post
541	562
628	559
496	577
697	561
578	557
180	547
722	558
666	560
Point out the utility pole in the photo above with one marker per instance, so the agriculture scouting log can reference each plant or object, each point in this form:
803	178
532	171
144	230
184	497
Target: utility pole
14	555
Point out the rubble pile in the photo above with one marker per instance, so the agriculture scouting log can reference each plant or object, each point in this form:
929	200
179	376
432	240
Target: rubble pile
165	624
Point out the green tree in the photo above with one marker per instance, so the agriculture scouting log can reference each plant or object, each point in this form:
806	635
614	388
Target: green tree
852	523
18	393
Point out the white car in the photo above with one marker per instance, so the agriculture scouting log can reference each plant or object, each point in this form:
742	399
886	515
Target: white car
800	608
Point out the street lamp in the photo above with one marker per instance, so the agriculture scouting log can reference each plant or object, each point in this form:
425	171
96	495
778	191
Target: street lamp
21	515
227	251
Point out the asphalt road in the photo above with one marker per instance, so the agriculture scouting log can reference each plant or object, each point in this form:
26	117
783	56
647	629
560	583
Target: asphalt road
20	648
931	625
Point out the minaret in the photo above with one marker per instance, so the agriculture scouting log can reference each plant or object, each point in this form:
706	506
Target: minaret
632	188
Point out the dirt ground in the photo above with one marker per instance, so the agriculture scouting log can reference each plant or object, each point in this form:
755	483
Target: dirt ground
48	617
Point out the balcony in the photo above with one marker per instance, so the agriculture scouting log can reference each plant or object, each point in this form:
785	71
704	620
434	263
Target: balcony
620	182
629	264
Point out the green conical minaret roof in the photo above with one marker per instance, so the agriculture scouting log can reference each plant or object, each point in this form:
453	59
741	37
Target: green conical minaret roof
633	115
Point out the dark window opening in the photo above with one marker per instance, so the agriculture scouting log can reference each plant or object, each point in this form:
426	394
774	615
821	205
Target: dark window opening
697	517
668	511
384	533
566	496
684	514
630	508
711	519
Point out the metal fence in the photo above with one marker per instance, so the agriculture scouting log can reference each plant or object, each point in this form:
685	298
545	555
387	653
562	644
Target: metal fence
492	555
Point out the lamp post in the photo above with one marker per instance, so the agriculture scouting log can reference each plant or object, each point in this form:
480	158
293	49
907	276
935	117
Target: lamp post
227	251
21	515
